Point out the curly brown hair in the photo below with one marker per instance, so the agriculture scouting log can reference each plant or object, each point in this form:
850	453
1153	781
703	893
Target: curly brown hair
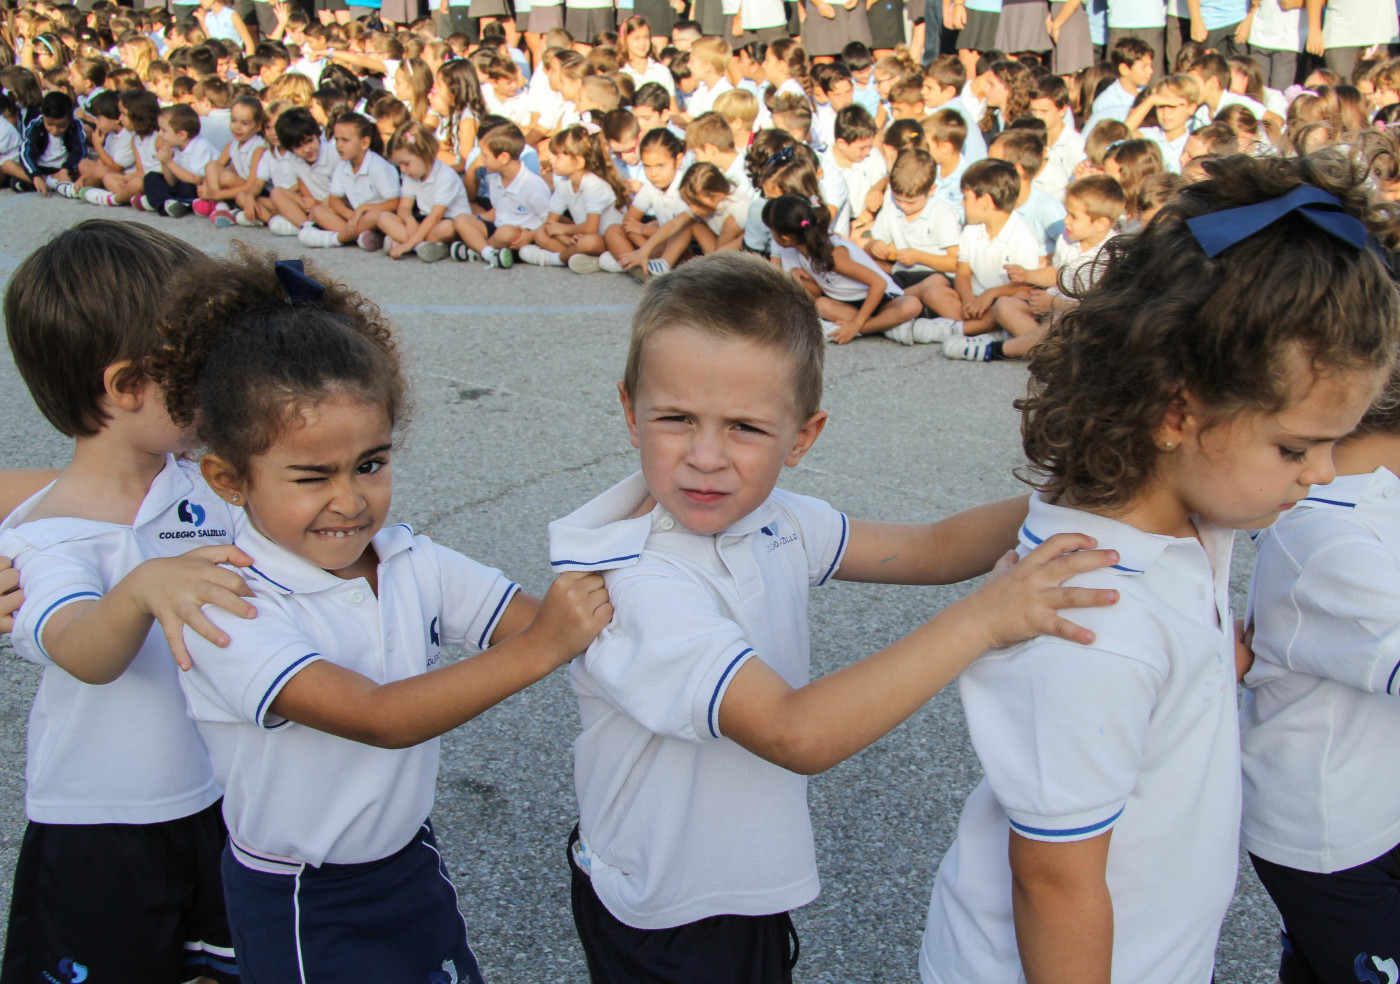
1164	319
241	361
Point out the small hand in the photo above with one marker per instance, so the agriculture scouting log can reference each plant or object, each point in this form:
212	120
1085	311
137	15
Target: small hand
1052	29
1243	28
881	251
173	590
1022	599
1198	30
41	185
845	331
572	613
826	10
1244	649
1085	168
521	239
11	597
977	307
397	250
1015	272
1317	45
1040	302
874	200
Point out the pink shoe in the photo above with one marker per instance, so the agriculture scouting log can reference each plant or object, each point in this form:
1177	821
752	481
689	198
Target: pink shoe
204	208
371	240
139	203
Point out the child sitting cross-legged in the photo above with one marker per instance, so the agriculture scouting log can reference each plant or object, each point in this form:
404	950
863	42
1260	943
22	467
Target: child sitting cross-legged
184	158
236	170
301	179
432	201
1094	204
993	238
519	201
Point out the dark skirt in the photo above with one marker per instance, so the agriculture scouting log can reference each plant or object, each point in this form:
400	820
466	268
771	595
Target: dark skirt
541	20
821	36
710	16
586	22
489	8
1075	49
660	15
980	32
1022	26
402	11
886	19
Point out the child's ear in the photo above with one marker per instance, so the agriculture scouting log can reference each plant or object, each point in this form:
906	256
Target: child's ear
222	478
630	413
123	386
1180	419
806	437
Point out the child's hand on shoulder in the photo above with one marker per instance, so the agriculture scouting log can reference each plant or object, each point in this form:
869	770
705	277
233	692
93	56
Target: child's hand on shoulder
1022	599
173	590
11	597
571	614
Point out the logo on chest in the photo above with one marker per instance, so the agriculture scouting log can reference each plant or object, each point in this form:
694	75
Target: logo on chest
434	655
192	514
776	538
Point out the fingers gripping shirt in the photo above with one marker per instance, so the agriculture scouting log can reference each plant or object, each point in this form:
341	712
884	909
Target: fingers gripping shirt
690	611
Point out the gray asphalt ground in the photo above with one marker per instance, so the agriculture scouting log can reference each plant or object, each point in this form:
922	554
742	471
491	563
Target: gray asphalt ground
517	423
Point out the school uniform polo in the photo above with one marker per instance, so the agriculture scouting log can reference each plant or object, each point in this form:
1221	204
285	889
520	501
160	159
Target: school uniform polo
859	178
1074	265
10	141
836	285
593	196
240	155
677	822
702	100
654	72
1061	158
317	176
119	146
1046	217
664	204
124	752
732	207
293	794
933	230
1204	116
442	186
277	169
948	186
376	180
145	148
215	128
195	156
1135	733
523	203
1171	149
1114	103
987	257
1320	717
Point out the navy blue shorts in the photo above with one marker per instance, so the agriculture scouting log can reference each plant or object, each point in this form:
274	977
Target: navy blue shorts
391	921
718	950
1338	927
126	903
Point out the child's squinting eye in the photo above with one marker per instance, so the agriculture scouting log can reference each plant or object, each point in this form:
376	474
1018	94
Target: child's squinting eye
1291	454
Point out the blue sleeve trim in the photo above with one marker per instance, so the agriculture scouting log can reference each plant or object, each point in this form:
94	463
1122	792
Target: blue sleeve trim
840	551
1026	532
266	697
1076	832
592	563
710	716
1391	682
496	615
39	627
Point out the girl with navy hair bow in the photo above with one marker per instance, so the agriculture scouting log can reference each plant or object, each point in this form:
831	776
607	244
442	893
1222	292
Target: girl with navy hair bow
1198	389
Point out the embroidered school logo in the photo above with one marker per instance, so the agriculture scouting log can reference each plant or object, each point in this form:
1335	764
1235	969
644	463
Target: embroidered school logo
190	512
1366	975
448	974
72	971
778	540
433	632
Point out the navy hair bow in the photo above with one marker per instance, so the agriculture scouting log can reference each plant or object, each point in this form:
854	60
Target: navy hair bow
297	285
1218	231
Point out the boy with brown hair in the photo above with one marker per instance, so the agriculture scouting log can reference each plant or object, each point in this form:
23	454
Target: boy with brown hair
698	691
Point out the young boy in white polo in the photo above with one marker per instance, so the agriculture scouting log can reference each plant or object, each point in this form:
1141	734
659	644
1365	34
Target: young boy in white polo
699	724
118	873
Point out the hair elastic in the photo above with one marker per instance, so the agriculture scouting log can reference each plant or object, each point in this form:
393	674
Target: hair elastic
1218	231
291	274
780	157
805	223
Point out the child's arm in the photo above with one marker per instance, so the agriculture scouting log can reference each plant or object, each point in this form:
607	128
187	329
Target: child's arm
404	713
962	283
95	641
175	173
1041	276
983	302
947	263
11	597
843	264
421	232
1063	910
589	227
965	545
811	728
663	233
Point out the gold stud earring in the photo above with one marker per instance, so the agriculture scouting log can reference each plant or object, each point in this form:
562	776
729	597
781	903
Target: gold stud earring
1169	446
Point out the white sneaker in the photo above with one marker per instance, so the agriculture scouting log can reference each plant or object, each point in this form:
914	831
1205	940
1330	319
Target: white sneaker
609	263
583	263
499	259
310	235
99	196
280	225
657	267
829	328
244	219
432	252
461	252
66	189
539	256
972	348
903	334
926	330
371	240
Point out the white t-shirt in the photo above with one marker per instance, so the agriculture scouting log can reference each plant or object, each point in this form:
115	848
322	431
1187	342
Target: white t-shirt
1135	733
1204	116
215	129
1171	149
835	285
987	258
859	178
702	100
118	145
442	186
732	207
276	167
376	180
1074	265
123	752
1061	158
654	72
240	155
55	153
593	196
1320	717
665	204
295	794
196	156
523	203
317	177
145	148
9	141
934	230
690	610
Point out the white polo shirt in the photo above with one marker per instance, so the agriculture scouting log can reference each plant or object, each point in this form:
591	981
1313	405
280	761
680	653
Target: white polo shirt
442	186
663	203
376	180
678	822
145	148
654	72
1204	117
123	752
835	285
1061	158
702	100
933	230
195	156
118	145
1321	787
524	202
9	141
859	178
240	155
317	176
593	196
1135	733
276	168
1074	265
987	258
294	794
